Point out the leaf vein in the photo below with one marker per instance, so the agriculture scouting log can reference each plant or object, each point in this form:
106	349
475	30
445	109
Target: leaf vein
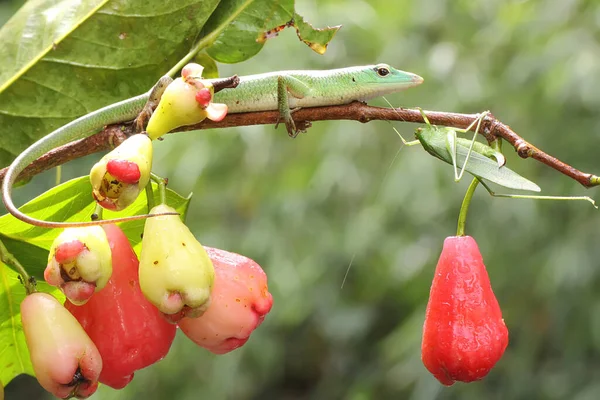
45	51
76	100
136	16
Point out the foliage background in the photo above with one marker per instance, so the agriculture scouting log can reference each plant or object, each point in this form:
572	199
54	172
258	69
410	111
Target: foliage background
347	194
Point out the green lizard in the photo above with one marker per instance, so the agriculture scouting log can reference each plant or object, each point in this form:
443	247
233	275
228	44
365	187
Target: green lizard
283	91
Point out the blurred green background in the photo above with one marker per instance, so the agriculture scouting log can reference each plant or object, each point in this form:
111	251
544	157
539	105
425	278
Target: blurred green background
346	198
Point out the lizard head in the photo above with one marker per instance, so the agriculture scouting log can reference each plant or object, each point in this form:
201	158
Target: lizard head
385	79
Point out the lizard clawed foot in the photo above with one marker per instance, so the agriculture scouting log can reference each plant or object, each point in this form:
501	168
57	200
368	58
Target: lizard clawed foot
143	117
153	99
302	126
290	125
295	129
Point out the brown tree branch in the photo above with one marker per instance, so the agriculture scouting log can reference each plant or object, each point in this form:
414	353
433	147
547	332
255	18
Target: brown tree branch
491	129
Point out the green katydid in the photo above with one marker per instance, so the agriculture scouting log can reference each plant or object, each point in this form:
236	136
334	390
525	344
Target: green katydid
480	160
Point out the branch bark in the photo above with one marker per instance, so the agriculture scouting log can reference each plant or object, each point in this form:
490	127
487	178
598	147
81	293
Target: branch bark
491	129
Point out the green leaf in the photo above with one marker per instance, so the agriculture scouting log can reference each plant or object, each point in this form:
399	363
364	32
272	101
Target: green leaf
62	59
316	39
211	70
255	22
70	201
33	257
14	355
57	19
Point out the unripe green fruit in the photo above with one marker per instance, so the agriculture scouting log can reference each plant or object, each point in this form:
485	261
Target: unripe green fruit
176	274
116	191
179	105
79	262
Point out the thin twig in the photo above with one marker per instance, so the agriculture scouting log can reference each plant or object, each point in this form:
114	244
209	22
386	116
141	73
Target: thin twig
491	129
7	258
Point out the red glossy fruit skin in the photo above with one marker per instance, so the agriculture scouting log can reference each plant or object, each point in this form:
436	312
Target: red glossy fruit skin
130	333
464	334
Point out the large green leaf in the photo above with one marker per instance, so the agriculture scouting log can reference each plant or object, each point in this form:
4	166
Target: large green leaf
70	201
14	355
62	59
255	22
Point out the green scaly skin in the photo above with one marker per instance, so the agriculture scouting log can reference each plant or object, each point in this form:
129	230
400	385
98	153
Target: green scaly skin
315	88
272	91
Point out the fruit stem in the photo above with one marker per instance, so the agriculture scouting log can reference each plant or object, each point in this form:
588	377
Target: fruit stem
7	258
97	213
464	208
149	196
58	177
162	187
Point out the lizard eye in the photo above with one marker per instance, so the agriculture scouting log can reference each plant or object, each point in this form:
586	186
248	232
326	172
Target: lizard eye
382	71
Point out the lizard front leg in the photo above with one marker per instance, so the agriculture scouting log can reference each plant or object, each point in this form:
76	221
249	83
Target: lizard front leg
153	100
295	87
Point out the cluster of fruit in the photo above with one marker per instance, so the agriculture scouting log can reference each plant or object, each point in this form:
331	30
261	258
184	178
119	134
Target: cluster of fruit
109	328
121	313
